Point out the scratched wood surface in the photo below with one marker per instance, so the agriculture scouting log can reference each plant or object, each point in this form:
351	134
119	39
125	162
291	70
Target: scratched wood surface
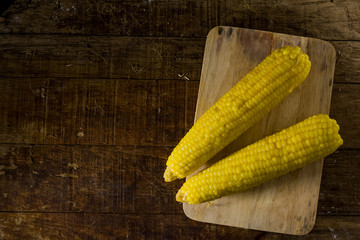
95	95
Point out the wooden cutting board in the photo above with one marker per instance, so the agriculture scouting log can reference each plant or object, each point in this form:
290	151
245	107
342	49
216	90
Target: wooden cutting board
287	204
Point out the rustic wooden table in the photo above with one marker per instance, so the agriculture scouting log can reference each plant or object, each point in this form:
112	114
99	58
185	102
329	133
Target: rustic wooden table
95	94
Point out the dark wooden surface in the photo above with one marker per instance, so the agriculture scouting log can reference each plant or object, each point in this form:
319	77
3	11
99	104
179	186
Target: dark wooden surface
95	94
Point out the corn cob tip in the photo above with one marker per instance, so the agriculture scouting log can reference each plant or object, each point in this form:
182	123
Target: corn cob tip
340	141
180	196
169	176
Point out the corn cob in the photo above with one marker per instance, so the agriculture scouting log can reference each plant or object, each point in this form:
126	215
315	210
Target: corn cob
235	112
271	157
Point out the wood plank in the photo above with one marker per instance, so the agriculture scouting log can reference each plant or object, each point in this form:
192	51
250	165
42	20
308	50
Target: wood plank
80	111
127	57
347	68
303	18
100	57
141	226
337	20
340	184
150	112
23	105
129	179
73	111
345	108
59	178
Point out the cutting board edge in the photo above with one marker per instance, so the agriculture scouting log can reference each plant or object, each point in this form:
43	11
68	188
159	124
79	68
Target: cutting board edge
302	232
216	28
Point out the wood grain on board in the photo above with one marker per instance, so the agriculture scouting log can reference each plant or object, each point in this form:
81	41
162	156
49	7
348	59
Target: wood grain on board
287	204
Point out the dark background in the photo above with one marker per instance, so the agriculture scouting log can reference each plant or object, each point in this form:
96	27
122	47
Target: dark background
4	5
94	95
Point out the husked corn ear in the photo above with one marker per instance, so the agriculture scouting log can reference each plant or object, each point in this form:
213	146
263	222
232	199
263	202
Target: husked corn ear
271	157
235	112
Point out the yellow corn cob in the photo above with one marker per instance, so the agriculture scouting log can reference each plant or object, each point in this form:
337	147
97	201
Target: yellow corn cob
235	112
271	157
